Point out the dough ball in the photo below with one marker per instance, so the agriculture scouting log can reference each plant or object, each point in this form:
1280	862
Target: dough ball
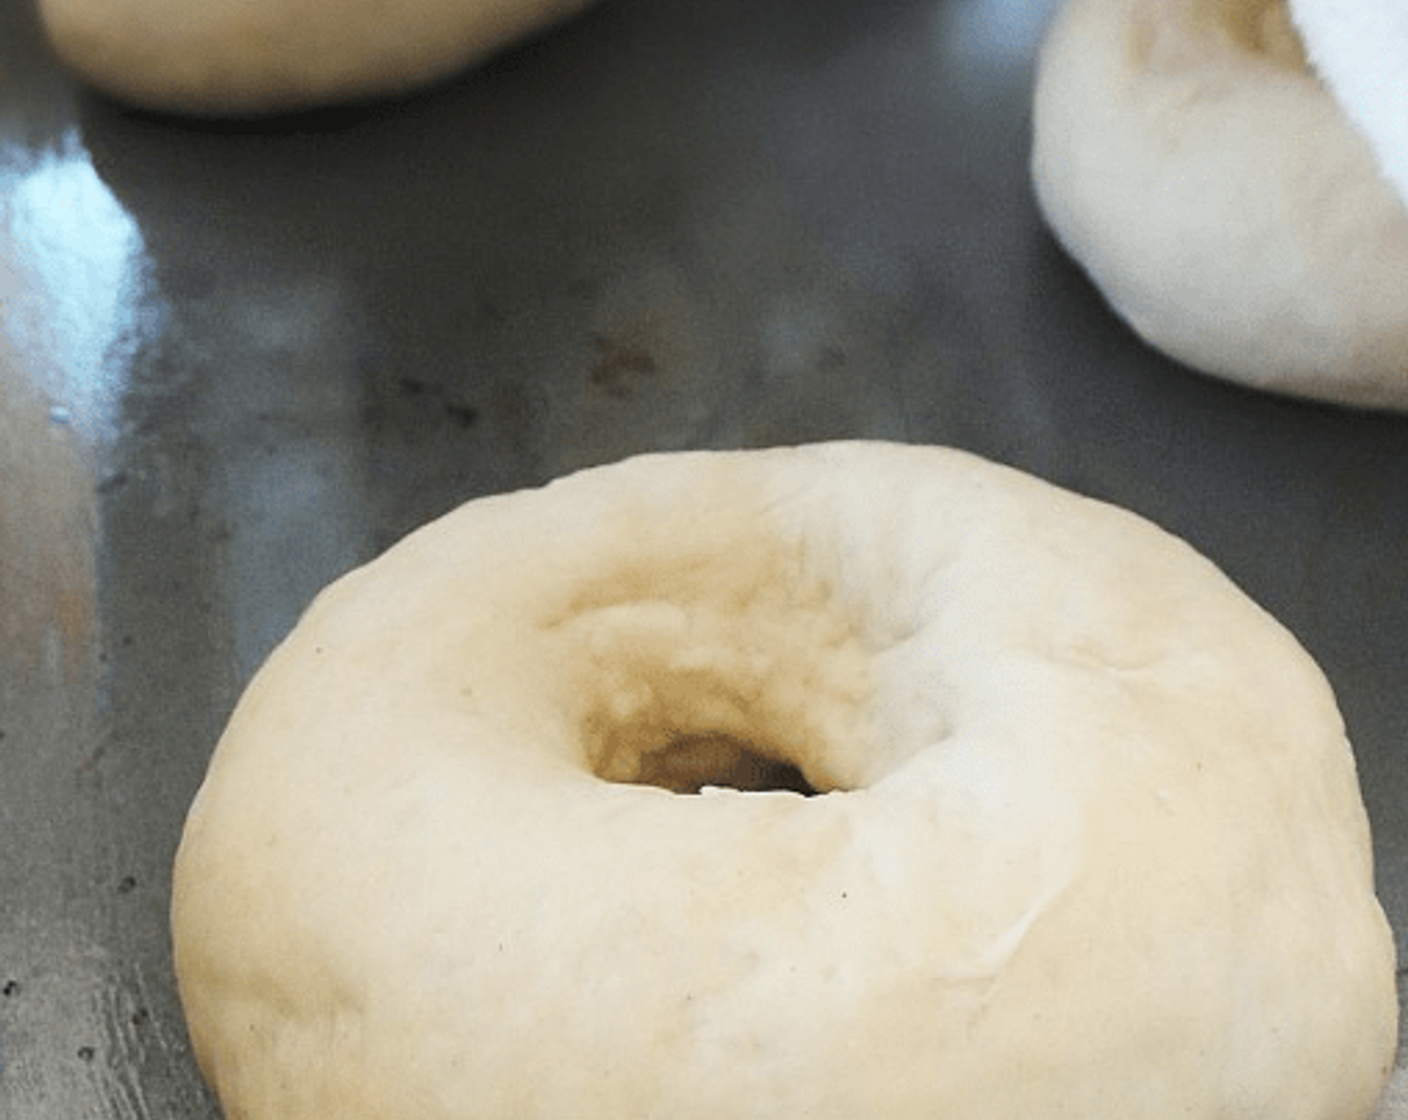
1189	159
259	56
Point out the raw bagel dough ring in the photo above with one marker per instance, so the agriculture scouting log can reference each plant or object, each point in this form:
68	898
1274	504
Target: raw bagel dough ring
1221	201
221	57
1093	844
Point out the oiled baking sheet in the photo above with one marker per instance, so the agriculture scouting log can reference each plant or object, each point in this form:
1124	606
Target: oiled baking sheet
242	360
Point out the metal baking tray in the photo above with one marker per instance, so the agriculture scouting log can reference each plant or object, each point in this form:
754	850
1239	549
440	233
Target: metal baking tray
247	357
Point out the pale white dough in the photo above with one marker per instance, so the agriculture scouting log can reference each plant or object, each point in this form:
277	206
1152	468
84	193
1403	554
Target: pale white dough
1091	843
254	56
1360	48
1216	193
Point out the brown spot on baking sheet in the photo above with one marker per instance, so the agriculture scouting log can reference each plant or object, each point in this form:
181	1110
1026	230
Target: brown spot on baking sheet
464	415
619	364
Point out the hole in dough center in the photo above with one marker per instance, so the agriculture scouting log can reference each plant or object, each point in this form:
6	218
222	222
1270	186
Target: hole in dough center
690	762
735	672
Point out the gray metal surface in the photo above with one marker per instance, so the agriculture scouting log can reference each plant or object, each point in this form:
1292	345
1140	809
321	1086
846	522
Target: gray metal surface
242	360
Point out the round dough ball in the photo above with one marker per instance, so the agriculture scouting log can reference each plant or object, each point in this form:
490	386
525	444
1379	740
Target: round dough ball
515	823
1187	157
258	56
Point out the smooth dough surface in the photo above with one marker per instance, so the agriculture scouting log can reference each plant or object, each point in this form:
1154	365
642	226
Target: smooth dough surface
1088	840
1360	49
1187	157
257	56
